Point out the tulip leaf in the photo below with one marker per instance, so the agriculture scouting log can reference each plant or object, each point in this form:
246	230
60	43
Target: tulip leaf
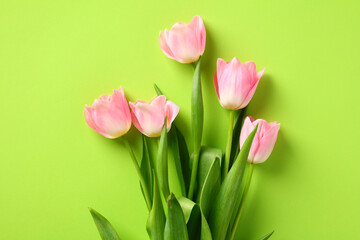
267	236
197	225
174	148
162	163
178	147
236	135
175	227
184	158
156	222
229	194
106	230
145	168
238	203
209	177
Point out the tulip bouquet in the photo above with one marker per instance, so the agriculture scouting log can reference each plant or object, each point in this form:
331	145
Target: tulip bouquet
214	184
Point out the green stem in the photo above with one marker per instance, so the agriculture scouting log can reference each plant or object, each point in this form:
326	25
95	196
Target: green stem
237	219
193	174
142	180
228	145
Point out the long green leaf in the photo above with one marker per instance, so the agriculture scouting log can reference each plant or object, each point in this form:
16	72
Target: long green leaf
107	232
162	163
145	168
267	236
197	225
156	222
174	149
175	227
238	202
229	193
178	148
184	158
209	178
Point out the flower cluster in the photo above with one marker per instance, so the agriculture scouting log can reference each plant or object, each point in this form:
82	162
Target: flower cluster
211	198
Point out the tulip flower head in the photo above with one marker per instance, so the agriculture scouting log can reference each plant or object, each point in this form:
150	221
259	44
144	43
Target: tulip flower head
235	82
264	140
149	117
109	115
184	43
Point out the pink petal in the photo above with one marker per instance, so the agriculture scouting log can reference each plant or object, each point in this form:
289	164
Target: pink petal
247	128
251	67
183	43
164	46
172	111
149	118
234	85
197	25
109	115
260	74
267	142
90	122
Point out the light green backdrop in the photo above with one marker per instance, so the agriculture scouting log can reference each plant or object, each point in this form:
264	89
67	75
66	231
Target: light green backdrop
57	56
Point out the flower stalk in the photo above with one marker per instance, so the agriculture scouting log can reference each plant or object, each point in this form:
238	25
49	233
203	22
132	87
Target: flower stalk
197	117
228	145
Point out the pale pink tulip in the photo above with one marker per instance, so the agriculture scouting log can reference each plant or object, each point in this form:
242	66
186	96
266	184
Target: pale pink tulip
264	140
149	118
110	115
184	43
235	83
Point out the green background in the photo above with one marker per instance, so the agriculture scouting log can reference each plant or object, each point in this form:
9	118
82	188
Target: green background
57	56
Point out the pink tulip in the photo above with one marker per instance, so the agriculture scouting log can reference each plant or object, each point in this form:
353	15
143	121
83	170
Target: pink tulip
264	140
235	83
149	118
110	115
184	43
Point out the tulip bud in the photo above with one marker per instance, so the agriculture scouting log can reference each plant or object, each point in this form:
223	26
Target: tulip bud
149	118
110	115
264	140
235	83
184	43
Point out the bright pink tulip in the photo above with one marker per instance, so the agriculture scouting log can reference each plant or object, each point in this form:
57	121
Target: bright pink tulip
149	118
235	83
264	140
184	43
110	115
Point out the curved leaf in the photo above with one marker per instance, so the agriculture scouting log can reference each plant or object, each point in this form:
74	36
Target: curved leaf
106	230
197	225
180	152
175	227
229	193
237	204
209	178
174	148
